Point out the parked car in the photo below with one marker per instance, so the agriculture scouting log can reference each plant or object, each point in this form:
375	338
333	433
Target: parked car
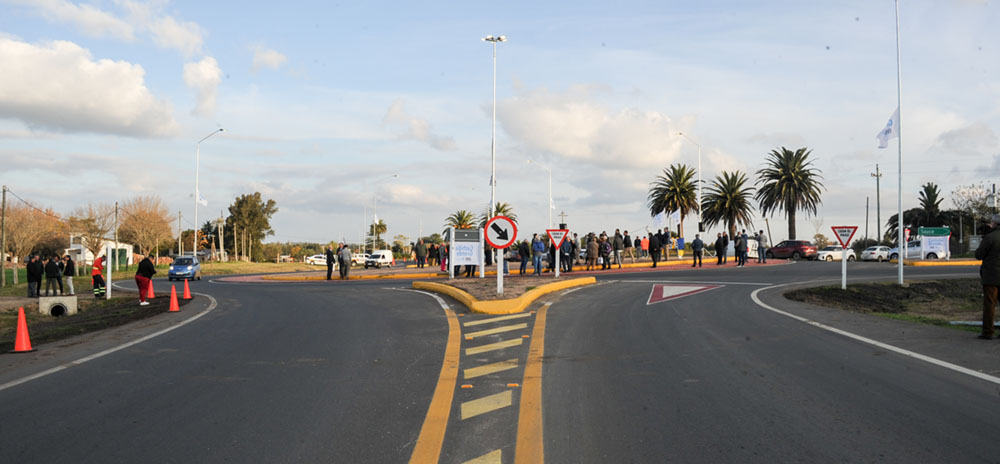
358	259
379	258
185	268
875	253
794	249
835	252
316	260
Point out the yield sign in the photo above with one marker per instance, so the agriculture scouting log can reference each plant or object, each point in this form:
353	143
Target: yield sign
844	234
557	236
664	292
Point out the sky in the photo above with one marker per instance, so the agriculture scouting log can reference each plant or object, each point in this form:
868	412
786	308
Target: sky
336	109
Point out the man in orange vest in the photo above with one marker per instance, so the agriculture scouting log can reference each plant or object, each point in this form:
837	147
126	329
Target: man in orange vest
97	275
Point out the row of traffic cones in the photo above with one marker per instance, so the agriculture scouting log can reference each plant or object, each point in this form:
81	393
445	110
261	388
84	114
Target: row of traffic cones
22	341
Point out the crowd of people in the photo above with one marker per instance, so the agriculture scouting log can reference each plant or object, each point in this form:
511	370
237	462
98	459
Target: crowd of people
54	270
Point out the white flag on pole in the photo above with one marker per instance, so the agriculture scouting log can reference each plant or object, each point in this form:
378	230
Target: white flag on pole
552	204
891	130
658	220
202	201
675	216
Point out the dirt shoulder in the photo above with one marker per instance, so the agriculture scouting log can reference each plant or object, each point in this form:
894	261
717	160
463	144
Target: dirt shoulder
485	289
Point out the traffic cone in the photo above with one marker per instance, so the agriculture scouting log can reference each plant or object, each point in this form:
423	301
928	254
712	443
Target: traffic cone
149	294
173	300
22	344
187	291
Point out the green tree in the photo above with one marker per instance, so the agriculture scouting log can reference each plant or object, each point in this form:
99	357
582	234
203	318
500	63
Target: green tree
375	230
250	213
728	201
501	209
461	219
788	183
674	190
820	240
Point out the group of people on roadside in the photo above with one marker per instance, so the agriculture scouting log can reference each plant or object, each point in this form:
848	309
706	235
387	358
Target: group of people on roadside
741	246
343	259
54	270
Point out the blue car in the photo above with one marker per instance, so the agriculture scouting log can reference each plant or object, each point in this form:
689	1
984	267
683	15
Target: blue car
185	268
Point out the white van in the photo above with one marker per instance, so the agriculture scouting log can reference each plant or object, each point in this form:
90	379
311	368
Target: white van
379	258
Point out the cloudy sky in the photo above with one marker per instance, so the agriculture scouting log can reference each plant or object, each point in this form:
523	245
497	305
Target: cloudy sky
322	103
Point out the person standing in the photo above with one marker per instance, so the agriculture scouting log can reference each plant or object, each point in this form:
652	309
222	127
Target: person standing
97	277
575	253
537	250
761	248
345	259
720	249
143	278
591	251
34	271
69	270
566	255
331	257
644	244
421	250
629	250
53	276
654	247
619	247
443	256
697	247
989	275
725	247
738	246
524	252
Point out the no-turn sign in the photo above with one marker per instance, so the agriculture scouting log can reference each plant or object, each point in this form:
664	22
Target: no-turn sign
500	232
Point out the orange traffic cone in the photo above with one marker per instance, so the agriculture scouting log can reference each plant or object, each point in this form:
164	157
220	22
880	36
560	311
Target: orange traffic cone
173	300
149	294
187	291
22	344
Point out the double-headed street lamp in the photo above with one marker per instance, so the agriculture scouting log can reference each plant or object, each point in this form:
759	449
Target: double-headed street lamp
197	196
699	176
493	140
549	207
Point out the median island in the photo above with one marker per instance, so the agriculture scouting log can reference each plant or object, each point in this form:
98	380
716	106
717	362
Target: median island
480	295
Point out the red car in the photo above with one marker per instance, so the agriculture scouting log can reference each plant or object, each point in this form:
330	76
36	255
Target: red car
795	249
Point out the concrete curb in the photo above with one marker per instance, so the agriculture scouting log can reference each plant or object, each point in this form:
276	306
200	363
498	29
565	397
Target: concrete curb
497	307
360	277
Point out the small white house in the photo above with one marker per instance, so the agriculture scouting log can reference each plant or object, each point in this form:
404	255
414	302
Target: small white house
83	257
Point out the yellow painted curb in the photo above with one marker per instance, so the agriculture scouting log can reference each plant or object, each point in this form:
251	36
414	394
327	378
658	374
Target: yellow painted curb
497	307
938	262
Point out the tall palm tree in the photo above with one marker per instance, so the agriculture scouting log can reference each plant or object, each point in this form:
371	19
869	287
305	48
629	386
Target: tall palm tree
376	229
728	200
501	209
788	183
461	219
672	191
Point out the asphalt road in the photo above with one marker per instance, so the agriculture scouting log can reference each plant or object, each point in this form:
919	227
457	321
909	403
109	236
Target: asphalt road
346	372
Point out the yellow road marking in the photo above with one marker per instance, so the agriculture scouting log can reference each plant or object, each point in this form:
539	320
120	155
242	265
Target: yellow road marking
493	457
474	372
496	319
431	438
494	346
484	405
506	328
529	419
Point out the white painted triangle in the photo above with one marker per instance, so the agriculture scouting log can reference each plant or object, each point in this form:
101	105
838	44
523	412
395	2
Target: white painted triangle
674	291
666	292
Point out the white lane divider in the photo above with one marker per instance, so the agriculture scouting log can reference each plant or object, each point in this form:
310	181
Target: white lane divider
885	346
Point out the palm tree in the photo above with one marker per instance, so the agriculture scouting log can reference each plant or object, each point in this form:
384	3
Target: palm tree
375	229
728	200
501	209
790	183
672	191
461	219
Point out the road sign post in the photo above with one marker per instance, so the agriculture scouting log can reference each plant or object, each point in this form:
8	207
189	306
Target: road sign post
556	237
844	235
500	233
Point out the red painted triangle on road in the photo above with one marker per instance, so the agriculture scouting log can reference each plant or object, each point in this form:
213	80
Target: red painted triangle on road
665	292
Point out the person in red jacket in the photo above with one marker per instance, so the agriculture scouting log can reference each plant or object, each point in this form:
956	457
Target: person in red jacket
97	276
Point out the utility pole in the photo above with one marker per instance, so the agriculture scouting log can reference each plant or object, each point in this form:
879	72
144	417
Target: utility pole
3	240
878	203
866	221
116	236
180	245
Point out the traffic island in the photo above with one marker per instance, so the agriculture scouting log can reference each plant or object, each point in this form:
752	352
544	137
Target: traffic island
502	306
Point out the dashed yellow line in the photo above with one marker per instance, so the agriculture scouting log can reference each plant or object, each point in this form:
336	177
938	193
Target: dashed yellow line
529	447
485	404
496	319
506	328
480	371
494	346
431	438
493	457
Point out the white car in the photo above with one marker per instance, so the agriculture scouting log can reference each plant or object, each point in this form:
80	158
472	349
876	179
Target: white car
316	260
379	258
835	253
875	253
358	259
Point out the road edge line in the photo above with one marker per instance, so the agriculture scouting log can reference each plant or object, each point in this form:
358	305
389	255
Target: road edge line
885	346
529	447
431	436
14	383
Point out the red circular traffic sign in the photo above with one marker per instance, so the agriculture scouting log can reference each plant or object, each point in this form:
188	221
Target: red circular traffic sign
500	232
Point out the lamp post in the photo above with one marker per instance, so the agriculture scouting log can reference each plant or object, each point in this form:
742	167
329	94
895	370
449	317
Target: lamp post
375	211
699	176
493	139
197	197
549	207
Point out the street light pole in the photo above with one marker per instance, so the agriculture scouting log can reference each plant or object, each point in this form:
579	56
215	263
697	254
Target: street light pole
375	212
493	140
878	203
549	207
699	176
197	166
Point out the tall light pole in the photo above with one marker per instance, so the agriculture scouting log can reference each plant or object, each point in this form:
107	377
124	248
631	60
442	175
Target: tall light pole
375	210
878	203
493	139
699	176
197	197
549	207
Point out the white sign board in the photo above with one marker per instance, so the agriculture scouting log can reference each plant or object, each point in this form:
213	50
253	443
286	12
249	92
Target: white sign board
465	253
935	244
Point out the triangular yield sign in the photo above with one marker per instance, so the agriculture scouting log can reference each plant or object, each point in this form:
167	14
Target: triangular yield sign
557	236
844	234
664	292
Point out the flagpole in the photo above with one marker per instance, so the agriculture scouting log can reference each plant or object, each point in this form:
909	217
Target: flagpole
899	129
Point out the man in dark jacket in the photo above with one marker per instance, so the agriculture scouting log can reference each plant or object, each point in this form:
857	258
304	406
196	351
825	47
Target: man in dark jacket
698	247
331	258
69	270
53	276
421	251
654	247
143	278
989	275
725	247
720	249
34	270
524	252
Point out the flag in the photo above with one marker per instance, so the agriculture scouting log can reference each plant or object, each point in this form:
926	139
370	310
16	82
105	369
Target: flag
891	130
202	201
552	204
675	216
658	220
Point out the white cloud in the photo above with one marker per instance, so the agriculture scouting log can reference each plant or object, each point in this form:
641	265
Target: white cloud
184	36
973	140
267	58
204	76
416	128
58	86
91	20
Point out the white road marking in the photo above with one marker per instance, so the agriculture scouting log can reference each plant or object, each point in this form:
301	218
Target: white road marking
695	282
